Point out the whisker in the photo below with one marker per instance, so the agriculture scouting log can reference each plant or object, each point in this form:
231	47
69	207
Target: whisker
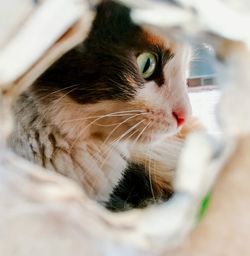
109	149
92	117
112	114
118	140
128	131
149	159
45	96
141	133
119	125
106	125
63	89
150	174
55	103
133	133
85	128
97	119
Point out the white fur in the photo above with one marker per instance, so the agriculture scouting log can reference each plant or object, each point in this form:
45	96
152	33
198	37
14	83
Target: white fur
172	96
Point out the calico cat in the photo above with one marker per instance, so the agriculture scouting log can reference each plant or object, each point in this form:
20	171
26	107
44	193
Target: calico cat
100	114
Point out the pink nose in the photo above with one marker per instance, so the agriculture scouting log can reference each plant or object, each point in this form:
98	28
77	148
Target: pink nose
180	118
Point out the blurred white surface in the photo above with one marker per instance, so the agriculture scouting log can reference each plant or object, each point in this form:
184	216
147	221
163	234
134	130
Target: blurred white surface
204	107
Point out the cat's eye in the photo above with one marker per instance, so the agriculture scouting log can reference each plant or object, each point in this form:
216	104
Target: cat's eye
147	63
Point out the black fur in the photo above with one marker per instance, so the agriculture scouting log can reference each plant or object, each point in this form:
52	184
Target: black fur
104	66
134	190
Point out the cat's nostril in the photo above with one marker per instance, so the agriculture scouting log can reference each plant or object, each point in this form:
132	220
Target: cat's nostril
180	118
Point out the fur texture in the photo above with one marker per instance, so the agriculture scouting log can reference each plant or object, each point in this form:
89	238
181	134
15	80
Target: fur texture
91	115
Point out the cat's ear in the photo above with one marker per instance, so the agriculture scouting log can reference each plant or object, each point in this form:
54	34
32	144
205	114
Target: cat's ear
113	19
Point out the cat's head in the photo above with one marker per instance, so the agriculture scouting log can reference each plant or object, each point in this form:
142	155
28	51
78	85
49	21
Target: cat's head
122	83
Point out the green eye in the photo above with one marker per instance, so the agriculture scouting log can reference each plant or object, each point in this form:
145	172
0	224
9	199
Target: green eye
147	64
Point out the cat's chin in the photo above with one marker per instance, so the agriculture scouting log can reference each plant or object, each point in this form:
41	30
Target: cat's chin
157	137
161	136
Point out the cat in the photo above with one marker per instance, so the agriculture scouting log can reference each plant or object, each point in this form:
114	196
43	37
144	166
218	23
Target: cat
106	114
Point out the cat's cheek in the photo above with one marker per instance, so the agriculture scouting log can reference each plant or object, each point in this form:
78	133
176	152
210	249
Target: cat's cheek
150	93
158	102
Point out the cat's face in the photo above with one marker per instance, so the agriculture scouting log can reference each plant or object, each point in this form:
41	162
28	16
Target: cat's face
122	83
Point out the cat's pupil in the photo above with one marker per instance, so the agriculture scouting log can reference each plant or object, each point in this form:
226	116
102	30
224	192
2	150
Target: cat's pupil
147	65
